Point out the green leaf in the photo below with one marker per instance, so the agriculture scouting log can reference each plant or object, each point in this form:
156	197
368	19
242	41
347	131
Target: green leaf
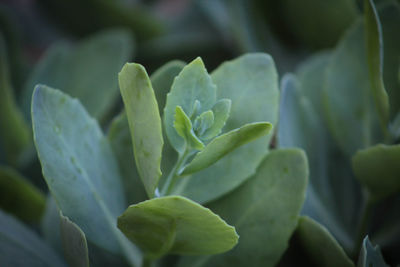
20	246
177	225
144	123
50	225
378	168
15	135
251	83
87	70
74	243
206	119
374	44
370	256
264	211
120	139
80	168
19	196
221	111
193	83
320	245
226	143
183	127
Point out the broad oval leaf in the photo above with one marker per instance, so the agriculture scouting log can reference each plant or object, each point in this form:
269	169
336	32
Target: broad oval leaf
320	245
174	224
144	123
183	127
251	83
226	143
86	70
378	169
370	256
19	196
74	243
256	210
19	246
193	83
80	168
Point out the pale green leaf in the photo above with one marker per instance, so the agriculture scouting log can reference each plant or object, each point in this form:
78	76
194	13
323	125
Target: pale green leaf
86	70
320	245
264	211
19	196
144	123
176	225
80	168
370	256
183	127
206	119
193	83
251	83
378	169
226	143
20	246
374	45
74	243
221	111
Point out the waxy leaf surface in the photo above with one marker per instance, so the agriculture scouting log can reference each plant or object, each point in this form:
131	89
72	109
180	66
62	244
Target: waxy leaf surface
226	143
177	225
183	127
144	123
80	168
370	256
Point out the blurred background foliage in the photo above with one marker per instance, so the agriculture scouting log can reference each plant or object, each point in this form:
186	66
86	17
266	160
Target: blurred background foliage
79	46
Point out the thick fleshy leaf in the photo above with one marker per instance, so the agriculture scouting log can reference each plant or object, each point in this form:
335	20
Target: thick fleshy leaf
74	243
378	169
87	70
183	127
15	135
144	123
80	168
320	245
50	225
177	225
120	139
226	143
193	83
221	111
374	44
370	256
256	210
206	119
19	246
250	82
333	195
19	197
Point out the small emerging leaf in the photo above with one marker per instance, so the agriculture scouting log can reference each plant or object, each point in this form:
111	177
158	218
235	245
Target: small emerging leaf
223	144
74	243
370	256
144	122
177	225
206	120
183	127
378	169
221	111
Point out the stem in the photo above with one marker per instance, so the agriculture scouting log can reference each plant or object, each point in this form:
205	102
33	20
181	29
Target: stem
364	222
173	175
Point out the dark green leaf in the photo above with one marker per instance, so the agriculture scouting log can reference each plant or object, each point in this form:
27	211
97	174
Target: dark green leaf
183	127
19	197
74	243
177	225
192	84
19	246
370	256
87	71
144	123
264	211
250	82
80	168
226	143
320	245
378	169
